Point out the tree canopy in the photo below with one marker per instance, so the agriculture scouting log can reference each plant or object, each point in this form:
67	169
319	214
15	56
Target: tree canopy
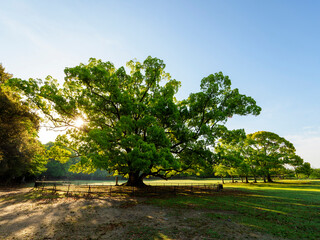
259	154
21	154
134	125
272	152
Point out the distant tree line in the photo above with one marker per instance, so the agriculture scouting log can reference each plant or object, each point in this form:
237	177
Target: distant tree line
62	170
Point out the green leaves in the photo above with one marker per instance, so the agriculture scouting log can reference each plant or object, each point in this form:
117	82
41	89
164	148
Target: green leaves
271	146
261	153
21	154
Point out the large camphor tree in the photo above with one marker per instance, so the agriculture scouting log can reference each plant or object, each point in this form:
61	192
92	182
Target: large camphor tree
134	125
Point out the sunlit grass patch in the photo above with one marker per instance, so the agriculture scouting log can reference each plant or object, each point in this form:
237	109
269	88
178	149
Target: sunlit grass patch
162	236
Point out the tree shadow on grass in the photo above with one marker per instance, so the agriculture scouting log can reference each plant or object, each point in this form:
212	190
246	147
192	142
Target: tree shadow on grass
28	216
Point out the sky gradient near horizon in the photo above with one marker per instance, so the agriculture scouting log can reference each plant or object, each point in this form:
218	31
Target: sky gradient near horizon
269	49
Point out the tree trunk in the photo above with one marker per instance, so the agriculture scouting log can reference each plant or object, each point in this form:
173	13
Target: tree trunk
269	178
241	179
117	181
232	179
264	179
255	178
222	180
135	179
247	179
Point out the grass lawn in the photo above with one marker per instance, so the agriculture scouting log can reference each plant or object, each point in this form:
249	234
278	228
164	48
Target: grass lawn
280	210
286	209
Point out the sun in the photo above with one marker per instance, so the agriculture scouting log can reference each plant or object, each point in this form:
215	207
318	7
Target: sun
78	122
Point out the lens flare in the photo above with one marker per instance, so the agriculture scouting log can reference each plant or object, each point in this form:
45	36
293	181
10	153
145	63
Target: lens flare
78	122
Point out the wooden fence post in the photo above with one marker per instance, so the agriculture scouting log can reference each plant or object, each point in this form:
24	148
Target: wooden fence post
68	190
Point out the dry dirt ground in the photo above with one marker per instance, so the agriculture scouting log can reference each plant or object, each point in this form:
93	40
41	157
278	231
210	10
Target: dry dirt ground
24	217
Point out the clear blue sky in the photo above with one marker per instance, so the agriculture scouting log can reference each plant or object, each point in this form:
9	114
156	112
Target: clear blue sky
269	49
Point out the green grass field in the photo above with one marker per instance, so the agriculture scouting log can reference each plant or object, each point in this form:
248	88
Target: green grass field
287	209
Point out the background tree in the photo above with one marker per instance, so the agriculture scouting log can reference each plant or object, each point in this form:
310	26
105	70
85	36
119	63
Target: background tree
259	154
296	163
221	171
135	126
233	153
233	172
271	152
315	173
58	168
304	169
21	154
229	158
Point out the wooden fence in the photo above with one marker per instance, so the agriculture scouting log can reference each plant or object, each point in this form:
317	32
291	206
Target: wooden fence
111	190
